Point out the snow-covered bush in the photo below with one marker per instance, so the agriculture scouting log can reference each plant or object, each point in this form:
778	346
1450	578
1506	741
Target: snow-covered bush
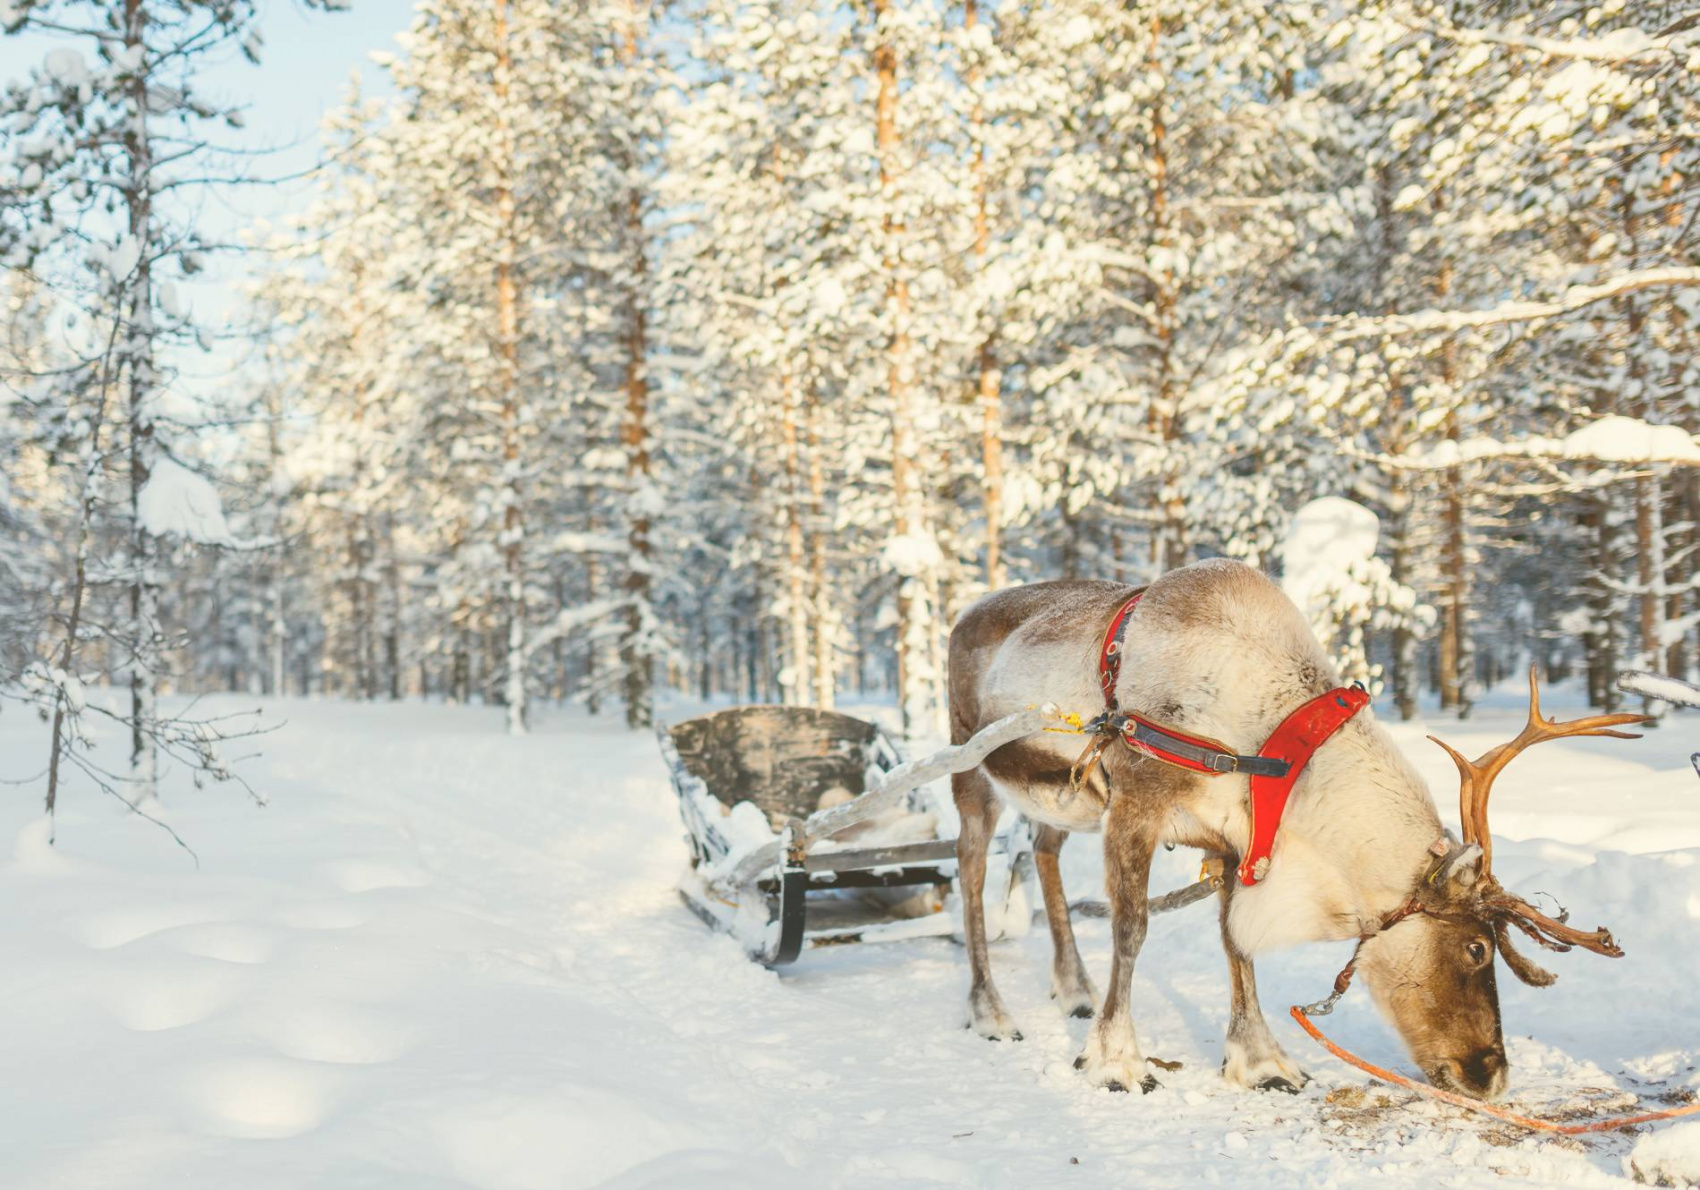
1329	568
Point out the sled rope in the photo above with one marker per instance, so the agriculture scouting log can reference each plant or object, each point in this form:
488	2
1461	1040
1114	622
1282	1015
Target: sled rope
1399	1080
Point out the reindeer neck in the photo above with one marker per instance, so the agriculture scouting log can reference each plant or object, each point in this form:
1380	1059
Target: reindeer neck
1352	843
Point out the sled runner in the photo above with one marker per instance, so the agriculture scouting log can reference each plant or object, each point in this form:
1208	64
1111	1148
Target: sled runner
806	828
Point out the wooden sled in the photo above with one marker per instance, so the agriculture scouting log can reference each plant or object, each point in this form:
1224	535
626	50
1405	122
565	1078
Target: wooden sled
807	828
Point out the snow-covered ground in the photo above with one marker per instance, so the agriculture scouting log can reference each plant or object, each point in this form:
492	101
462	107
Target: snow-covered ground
445	958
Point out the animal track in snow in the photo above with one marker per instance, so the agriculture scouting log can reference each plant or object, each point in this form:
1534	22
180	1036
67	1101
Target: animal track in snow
228	942
170	997
260	1098
104	931
342	1036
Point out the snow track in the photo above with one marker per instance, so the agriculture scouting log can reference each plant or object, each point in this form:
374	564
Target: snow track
445	958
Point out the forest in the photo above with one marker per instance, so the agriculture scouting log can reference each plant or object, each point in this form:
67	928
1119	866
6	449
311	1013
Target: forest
732	347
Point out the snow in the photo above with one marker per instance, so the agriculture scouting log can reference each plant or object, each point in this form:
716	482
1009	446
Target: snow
911	554
1612	439
1668	1158
175	502
1331	572
1326	539
1630	440
1671	690
445	958
66	66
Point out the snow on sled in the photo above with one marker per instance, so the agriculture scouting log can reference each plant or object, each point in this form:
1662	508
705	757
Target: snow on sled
1672	690
807	828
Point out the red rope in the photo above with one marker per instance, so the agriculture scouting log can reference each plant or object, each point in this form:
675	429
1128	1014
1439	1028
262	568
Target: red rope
1399	1080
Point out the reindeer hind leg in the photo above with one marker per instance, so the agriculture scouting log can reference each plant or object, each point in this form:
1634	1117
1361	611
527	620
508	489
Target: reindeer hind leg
977	806
1071	987
1112	1057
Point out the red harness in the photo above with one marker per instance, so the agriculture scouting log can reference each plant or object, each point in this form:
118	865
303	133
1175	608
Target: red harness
1273	771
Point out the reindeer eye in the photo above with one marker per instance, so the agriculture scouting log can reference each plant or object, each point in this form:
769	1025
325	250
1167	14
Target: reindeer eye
1478	951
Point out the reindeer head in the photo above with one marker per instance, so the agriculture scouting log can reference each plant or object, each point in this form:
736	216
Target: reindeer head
1430	968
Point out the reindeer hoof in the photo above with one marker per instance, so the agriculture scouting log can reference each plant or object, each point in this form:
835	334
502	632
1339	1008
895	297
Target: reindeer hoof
1261	1068
1147	1085
988	1017
1074	996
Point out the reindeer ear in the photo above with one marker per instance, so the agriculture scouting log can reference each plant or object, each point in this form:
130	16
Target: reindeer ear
1521	967
1464	867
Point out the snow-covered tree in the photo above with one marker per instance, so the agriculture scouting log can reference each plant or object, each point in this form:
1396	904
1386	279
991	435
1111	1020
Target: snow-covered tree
105	144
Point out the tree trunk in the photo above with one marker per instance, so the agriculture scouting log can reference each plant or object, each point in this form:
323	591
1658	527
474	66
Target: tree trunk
1454	644
1407	678
1405	675
635	647
989	379
1454	628
87	497
1650	576
1169	546
825	670
1603	663
277	629
909	516
798	689
137	315
392	635
516	690
1685	510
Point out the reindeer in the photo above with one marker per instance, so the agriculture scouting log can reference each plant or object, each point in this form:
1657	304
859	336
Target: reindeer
1215	652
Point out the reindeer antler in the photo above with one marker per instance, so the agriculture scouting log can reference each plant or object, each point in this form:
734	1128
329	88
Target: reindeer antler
1477	777
1476	784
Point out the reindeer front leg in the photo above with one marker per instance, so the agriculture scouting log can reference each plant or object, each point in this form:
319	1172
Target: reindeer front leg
1251	1058
1112	1057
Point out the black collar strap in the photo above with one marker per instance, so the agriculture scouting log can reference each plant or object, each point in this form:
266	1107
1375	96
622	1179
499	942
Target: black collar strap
1197	753
1203	756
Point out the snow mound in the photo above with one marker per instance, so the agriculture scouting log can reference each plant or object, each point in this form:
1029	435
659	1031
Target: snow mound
1667	1158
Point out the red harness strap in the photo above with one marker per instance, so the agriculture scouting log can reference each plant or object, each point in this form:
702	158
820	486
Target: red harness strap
1109	656
1295	741
1195	753
1273	771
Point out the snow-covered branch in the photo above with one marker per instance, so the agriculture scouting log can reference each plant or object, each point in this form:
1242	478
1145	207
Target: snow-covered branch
1577	297
1616	46
1623	441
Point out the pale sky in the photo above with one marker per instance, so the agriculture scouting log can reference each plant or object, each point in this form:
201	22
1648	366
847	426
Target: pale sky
304	70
